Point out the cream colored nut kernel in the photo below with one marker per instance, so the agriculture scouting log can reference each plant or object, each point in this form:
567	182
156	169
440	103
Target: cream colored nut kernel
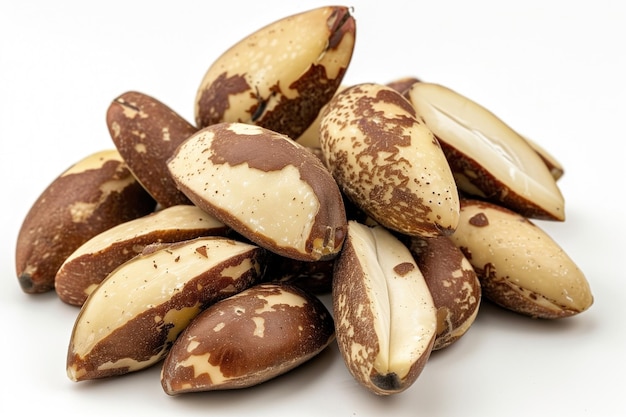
385	317
489	159
146	132
554	166
387	162
519	265
249	338
130	321
452	282
281	75
88	265
93	195
265	186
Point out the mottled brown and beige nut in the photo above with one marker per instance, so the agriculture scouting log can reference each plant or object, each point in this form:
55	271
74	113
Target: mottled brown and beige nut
519	265
489	159
247	339
453	284
93	195
88	265
265	186
146	132
130	321
385	317
280	76
388	162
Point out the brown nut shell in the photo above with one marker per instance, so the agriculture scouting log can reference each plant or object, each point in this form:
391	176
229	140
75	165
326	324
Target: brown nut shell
130	321
93	195
452	282
280	76
387	162
249	338
385	317
265	186
88	265
520	266
146	132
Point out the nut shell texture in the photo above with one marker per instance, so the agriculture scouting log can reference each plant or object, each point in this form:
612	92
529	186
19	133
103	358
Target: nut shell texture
131	320
265	186
387	162
247	339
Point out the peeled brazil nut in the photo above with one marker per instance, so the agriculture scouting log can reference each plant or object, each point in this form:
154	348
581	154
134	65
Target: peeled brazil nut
519	266
385	317
131	320
489	159
146	132
554	166
452	282
93	195
280	76
88	265
387	162
249	338
265	186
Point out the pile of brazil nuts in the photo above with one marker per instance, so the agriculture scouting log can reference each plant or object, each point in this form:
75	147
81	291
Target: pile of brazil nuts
204	247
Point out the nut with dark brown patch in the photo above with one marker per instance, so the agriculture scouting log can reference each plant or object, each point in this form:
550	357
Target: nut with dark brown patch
88	265
520	266
249	338
95	194
130	321
385	317
146	132
452	282
265	186
388	162
281	75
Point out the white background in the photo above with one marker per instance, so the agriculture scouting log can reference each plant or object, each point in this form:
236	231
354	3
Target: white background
553	70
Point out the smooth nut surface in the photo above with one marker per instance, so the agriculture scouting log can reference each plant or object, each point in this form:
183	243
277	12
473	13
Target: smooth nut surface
387	162
146	132
93	195
489	159
248	339
281	75
130	321
453	284
265	186
519	265
88	265
385	317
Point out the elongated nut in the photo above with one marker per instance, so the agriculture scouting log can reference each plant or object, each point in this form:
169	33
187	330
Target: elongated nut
385	317
281	75
131	320
489	159
88	265
249	338
146	132
519	265
452	282
265	186
387	162
93	195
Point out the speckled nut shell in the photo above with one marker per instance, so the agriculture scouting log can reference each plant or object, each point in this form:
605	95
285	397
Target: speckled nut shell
489	159
88	265
249	338
265	186
520	267
93	195
281	75
131	320
385	317
452	282
387	161
146	132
